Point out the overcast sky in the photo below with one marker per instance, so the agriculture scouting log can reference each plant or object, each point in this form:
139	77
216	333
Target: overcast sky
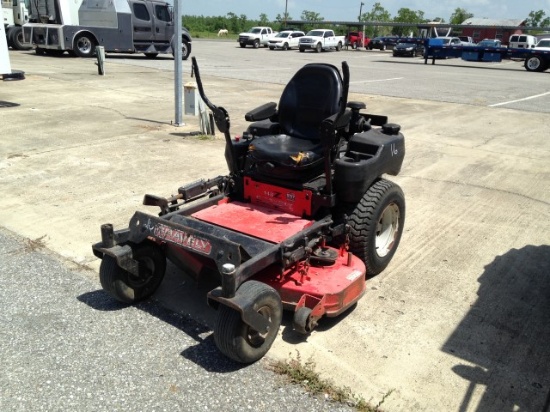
346	10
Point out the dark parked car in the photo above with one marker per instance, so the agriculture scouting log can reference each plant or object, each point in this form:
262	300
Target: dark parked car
383	43
409	47
490	43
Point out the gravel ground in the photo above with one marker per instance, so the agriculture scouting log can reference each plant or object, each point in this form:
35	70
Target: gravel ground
66	345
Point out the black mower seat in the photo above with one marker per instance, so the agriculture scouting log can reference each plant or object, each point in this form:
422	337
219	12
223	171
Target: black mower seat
312	95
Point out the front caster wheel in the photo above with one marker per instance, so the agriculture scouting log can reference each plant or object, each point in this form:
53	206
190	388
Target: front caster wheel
237	340
127	287
377	224
302	322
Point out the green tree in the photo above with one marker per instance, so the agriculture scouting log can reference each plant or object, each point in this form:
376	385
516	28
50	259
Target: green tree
537	19
233	23
459	16
283	19
264	21
243	23
380	14
311	16
405	15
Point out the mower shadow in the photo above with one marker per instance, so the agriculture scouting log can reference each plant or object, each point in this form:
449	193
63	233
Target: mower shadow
502	342
180	302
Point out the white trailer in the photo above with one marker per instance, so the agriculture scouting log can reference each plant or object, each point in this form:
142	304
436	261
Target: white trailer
15	13
120	26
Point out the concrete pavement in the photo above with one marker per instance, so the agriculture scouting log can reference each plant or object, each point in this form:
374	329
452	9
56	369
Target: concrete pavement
458	321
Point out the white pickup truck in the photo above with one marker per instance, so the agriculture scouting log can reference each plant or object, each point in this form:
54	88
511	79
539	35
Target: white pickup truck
256	37
321	39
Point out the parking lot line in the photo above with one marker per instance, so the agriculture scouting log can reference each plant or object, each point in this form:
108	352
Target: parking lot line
376	81
519	100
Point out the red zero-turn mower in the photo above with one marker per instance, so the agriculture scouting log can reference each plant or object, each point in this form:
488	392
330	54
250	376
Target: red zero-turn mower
301	219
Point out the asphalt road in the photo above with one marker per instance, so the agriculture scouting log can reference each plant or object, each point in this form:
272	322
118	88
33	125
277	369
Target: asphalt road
67	346
506	84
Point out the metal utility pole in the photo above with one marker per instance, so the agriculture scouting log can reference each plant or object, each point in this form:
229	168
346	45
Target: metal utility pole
178	78
360	13
286	8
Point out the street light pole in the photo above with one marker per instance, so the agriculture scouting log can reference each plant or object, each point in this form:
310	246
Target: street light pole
360	10
286	7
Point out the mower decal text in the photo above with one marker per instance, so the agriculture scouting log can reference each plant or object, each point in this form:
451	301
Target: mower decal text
276	195
354	275
179	237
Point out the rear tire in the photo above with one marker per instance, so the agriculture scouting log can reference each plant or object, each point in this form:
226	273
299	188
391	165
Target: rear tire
128	288
185	49
377	225
237	340
84	45
8	36
16	39
535	64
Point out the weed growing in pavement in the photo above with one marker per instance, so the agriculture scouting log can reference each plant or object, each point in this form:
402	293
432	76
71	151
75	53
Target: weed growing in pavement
304	374
36	244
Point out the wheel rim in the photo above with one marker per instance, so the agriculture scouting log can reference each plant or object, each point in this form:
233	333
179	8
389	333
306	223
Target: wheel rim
387	229
255	338
146	271
533	63
84	45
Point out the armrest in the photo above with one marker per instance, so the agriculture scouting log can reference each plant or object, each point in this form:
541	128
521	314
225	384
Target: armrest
263	112
339	121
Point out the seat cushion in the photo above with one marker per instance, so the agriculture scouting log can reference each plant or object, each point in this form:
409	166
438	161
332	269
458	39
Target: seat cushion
286	157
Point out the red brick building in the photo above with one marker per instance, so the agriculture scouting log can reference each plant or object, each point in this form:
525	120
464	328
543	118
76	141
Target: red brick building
491	28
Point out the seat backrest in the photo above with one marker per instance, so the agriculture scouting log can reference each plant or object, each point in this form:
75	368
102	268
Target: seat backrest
312	95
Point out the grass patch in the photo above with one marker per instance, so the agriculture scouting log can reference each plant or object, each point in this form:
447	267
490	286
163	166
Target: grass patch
35	244
304	374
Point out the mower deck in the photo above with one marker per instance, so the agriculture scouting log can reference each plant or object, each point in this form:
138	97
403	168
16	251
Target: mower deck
327	288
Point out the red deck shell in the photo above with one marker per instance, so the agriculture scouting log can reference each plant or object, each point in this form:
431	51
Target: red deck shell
254	220
340	284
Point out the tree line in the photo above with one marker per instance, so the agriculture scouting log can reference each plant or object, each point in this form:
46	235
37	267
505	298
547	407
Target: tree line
236	24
